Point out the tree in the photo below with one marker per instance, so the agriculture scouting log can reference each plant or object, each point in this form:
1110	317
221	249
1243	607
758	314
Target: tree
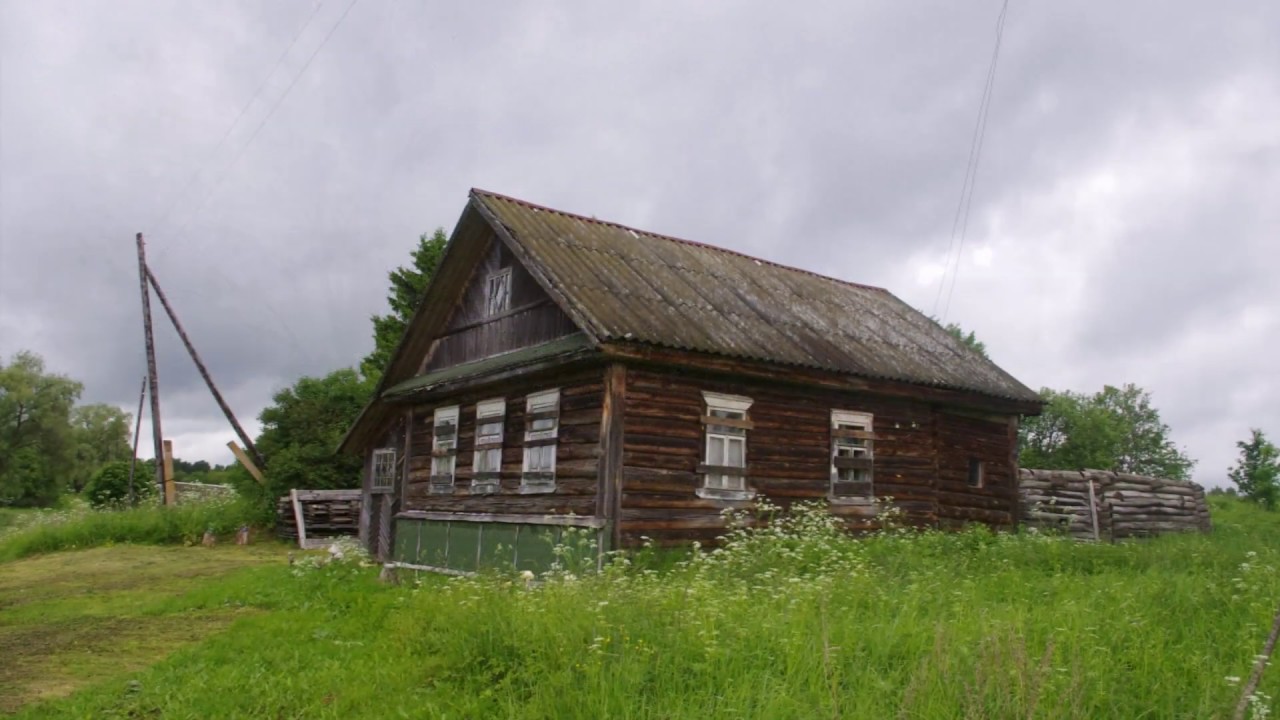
101	435
1257	473
109	486
1113	429
1143	446
301	430
408	286
970	339
36	447
1071	433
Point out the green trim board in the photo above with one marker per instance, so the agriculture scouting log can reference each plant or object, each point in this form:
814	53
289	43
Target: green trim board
515	358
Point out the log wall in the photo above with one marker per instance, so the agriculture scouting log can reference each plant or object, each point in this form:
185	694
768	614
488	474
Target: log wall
921	456
577	451
1123	505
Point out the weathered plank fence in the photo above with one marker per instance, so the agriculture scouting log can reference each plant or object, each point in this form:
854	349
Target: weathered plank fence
324	514
1104	505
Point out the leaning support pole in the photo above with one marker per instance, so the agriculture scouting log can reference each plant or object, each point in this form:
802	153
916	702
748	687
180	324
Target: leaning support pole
153	379
204	372
137	428
247	462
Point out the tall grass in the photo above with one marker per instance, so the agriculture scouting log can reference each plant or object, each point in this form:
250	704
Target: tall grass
79	527
795	620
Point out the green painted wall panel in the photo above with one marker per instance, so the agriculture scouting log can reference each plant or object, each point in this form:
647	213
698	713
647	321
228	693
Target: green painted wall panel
464	543
469	546
435	538
406	539
536	549
499	546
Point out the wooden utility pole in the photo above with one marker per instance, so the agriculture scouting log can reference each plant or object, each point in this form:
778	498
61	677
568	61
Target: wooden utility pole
153	379
204	372
137	427
170	492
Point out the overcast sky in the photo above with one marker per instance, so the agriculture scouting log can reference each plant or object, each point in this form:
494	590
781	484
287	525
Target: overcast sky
1124	225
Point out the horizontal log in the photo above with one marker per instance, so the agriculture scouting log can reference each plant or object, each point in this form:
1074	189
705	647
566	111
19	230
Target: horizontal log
727	422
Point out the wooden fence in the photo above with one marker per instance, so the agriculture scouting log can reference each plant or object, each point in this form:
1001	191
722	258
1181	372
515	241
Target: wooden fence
195	492
311	518
1103	505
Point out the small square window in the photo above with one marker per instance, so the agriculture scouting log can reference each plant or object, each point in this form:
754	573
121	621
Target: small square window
977	473
499	292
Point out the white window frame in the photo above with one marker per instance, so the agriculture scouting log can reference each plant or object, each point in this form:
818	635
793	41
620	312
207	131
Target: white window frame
496	304
382	471
444	468
724	486
853	420
488	410
540	480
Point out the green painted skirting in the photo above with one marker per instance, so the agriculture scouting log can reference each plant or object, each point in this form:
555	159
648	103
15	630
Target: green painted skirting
470	546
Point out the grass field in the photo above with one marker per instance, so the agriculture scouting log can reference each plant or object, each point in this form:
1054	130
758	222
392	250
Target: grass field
797	622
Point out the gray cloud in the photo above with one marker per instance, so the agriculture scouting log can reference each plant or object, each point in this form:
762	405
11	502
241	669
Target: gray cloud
1122	229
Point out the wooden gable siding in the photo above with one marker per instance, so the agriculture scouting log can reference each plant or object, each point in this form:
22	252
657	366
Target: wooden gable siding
532	318
577	451
918	452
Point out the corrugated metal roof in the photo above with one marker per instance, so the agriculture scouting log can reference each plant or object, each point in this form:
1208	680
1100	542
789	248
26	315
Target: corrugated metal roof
630	285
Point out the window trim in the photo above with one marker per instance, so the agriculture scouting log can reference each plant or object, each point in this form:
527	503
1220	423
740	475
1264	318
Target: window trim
540	481
492	480
489	309
723	402
374	466
437	483
852	417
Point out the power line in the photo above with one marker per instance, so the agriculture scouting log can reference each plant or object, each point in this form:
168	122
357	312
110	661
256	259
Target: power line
279	100
243	110
960	224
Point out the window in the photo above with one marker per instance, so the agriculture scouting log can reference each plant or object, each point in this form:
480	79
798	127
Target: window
542	425
487	463
384	470
724	467
444	450
852	455
977	472
499	292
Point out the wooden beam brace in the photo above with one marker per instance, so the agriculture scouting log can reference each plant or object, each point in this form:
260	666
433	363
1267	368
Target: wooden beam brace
247	462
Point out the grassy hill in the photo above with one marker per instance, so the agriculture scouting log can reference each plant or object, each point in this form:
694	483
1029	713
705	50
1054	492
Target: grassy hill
795	622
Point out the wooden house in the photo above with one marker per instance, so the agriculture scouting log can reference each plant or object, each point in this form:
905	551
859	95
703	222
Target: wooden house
564	371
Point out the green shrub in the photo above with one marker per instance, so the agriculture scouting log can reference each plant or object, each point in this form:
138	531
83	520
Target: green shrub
109	487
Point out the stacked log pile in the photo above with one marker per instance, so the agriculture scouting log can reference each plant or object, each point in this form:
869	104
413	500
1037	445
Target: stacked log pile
1105	505
327	514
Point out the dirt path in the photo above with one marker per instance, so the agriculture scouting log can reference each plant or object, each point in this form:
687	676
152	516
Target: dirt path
73	619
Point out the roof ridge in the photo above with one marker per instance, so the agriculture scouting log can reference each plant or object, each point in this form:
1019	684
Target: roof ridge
672	238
